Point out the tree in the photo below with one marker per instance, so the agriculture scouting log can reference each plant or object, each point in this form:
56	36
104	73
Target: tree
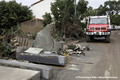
12	13
115	19
101	10
111	8
63	12
47	19
81	8
90	12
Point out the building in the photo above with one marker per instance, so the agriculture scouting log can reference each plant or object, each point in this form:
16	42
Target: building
41	7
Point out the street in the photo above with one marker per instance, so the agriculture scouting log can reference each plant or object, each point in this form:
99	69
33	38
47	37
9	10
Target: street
102	62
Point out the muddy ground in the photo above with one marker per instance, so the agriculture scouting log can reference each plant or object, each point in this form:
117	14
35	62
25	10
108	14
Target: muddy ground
102	62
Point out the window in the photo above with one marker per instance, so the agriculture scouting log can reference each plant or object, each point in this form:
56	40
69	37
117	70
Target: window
98	21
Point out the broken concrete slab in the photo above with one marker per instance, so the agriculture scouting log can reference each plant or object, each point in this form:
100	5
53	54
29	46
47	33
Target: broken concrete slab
34	50
8	73
45	40
44	58
46	71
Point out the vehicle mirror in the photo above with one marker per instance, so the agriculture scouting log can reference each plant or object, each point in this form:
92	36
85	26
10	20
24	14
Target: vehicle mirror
107	21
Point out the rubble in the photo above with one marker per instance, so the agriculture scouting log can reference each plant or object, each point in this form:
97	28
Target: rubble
70	51
52	59
37	55
45	70
45	40
33	50
8	73
74	67
45	50
88	62
79	53
77	49
87	47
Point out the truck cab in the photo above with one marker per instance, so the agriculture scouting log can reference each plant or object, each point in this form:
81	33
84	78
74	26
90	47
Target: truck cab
98	26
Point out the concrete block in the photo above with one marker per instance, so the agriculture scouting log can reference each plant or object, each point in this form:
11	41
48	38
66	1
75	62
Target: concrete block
34	50
46	71
8	73
45	40
43	58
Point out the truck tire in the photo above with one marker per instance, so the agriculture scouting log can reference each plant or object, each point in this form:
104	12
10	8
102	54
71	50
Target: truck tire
91	38
88	38
108	39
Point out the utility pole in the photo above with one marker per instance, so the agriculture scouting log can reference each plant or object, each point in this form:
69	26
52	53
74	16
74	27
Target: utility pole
75	8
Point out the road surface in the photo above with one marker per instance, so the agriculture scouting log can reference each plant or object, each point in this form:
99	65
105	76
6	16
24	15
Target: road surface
102	62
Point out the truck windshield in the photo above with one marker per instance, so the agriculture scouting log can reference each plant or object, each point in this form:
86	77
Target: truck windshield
98	21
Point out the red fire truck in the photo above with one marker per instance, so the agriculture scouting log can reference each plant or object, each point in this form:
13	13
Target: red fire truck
98	26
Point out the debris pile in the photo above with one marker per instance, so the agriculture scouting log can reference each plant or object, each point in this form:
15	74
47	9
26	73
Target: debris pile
45	50
76	49
36	55
45	40
45	70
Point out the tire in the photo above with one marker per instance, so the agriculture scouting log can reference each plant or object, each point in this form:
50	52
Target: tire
108	39
88	38
91	38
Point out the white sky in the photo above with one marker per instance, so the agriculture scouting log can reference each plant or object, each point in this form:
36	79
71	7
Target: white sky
96	3
93	3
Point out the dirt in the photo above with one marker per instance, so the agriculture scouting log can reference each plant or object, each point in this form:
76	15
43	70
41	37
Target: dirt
102	62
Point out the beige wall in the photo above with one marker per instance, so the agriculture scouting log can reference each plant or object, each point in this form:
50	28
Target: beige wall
31	26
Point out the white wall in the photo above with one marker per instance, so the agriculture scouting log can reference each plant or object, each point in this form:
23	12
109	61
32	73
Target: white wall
40	8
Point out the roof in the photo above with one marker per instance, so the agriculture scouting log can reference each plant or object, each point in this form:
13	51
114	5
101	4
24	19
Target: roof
99	16
36	2
31	20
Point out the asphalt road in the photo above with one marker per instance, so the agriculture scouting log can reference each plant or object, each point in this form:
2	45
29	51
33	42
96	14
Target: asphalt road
102	62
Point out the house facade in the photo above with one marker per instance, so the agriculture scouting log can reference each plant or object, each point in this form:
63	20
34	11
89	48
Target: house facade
41	7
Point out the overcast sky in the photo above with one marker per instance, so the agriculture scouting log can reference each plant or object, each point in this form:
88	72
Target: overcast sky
93	3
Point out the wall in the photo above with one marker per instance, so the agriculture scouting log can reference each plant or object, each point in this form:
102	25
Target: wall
32	26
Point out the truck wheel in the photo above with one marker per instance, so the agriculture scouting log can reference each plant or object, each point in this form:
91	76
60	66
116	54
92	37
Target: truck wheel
91	38
108	39
88	38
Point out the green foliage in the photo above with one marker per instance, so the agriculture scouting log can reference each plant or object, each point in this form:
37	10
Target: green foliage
101	10
115	19
90	11
47	19
63	12
12	13
2	48
81	8
111	7
83	25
